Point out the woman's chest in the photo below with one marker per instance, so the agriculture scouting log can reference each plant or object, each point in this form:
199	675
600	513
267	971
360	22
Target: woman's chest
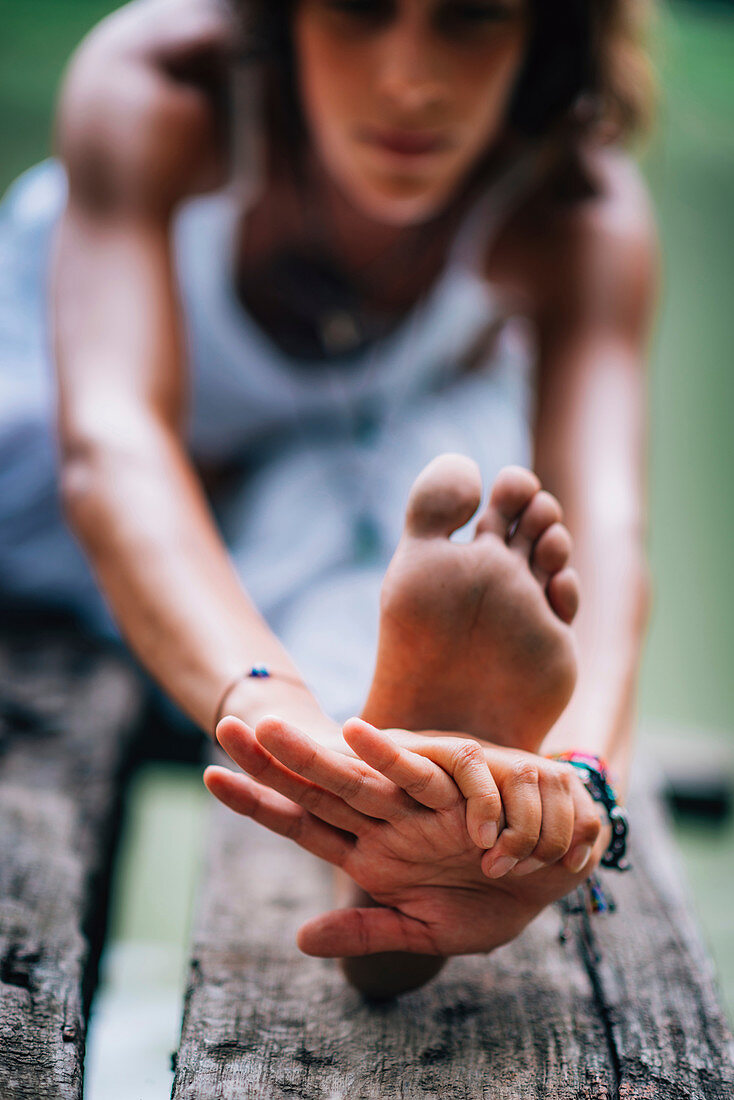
320	287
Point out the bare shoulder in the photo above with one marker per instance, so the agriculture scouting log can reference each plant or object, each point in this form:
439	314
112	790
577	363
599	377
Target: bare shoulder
140	114
615	212
596	253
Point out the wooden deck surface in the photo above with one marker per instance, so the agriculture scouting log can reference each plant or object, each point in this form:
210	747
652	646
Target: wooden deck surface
626	1007
68	719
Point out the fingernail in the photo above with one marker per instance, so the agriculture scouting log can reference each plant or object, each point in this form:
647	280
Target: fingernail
528	866
502	866
578	857
488	834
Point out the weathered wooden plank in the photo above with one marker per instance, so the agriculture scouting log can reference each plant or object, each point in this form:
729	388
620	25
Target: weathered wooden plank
535	1019
68	716
262	1020
654	981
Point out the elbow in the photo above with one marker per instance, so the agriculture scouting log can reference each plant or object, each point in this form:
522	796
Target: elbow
97	459
88	483
111	475
80	492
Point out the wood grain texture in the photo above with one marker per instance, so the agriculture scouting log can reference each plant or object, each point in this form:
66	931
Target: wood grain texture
67	722
654	981
263	1020
625	1008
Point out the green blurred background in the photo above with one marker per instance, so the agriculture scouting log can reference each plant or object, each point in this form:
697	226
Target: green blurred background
687	695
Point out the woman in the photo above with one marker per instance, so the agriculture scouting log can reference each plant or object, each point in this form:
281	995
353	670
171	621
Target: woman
418	233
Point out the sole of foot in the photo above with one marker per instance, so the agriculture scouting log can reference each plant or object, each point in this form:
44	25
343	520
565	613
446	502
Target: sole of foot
476	637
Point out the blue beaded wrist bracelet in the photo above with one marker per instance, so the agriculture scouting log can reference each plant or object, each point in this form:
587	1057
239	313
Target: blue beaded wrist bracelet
594	774
255	672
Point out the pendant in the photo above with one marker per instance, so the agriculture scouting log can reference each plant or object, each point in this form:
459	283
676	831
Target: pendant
339	332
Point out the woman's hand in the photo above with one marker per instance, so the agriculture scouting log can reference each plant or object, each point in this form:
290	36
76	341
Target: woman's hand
407	846
530	812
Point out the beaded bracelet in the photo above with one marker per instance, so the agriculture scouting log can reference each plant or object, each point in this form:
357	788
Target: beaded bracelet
255	672
594	774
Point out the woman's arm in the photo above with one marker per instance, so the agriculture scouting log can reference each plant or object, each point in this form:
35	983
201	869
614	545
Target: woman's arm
598	298
133	143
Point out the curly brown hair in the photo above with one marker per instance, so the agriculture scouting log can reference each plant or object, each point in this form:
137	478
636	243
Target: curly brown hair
586	75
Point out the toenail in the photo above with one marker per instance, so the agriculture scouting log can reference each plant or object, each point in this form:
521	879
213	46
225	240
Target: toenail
488	834
502	866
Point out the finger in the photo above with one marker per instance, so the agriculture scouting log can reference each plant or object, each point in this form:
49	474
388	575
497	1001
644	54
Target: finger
556	830
240	742
523	812
418	776
587	829
343	933
464	760
359	785
266	807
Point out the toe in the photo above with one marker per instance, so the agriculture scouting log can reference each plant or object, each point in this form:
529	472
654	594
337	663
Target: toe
444	497
551	552
511	493
563	593
542	511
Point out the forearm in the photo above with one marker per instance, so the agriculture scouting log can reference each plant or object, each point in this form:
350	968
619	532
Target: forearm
130	492
591	452
143	519
610	630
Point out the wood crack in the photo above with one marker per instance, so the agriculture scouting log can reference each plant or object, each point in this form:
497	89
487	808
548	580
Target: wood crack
590	954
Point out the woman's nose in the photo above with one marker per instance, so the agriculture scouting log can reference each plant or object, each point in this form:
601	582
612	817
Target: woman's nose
410	76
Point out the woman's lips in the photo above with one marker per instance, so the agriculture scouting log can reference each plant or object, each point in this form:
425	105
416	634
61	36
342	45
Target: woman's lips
406	143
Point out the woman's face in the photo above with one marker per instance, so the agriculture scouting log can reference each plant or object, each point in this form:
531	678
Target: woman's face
402	96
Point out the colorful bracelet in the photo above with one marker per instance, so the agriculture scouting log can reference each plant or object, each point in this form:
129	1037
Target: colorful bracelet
255	672
594	774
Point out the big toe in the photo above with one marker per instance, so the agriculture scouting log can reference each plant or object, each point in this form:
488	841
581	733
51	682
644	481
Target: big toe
444	497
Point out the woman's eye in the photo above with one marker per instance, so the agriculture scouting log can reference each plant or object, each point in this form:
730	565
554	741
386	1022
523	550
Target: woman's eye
477	14
453	16
360	9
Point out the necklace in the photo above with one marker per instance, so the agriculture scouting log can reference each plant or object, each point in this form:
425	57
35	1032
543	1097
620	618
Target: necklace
402	270
351	347
357	334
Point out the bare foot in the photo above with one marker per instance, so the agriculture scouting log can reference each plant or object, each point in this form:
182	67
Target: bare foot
475	636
